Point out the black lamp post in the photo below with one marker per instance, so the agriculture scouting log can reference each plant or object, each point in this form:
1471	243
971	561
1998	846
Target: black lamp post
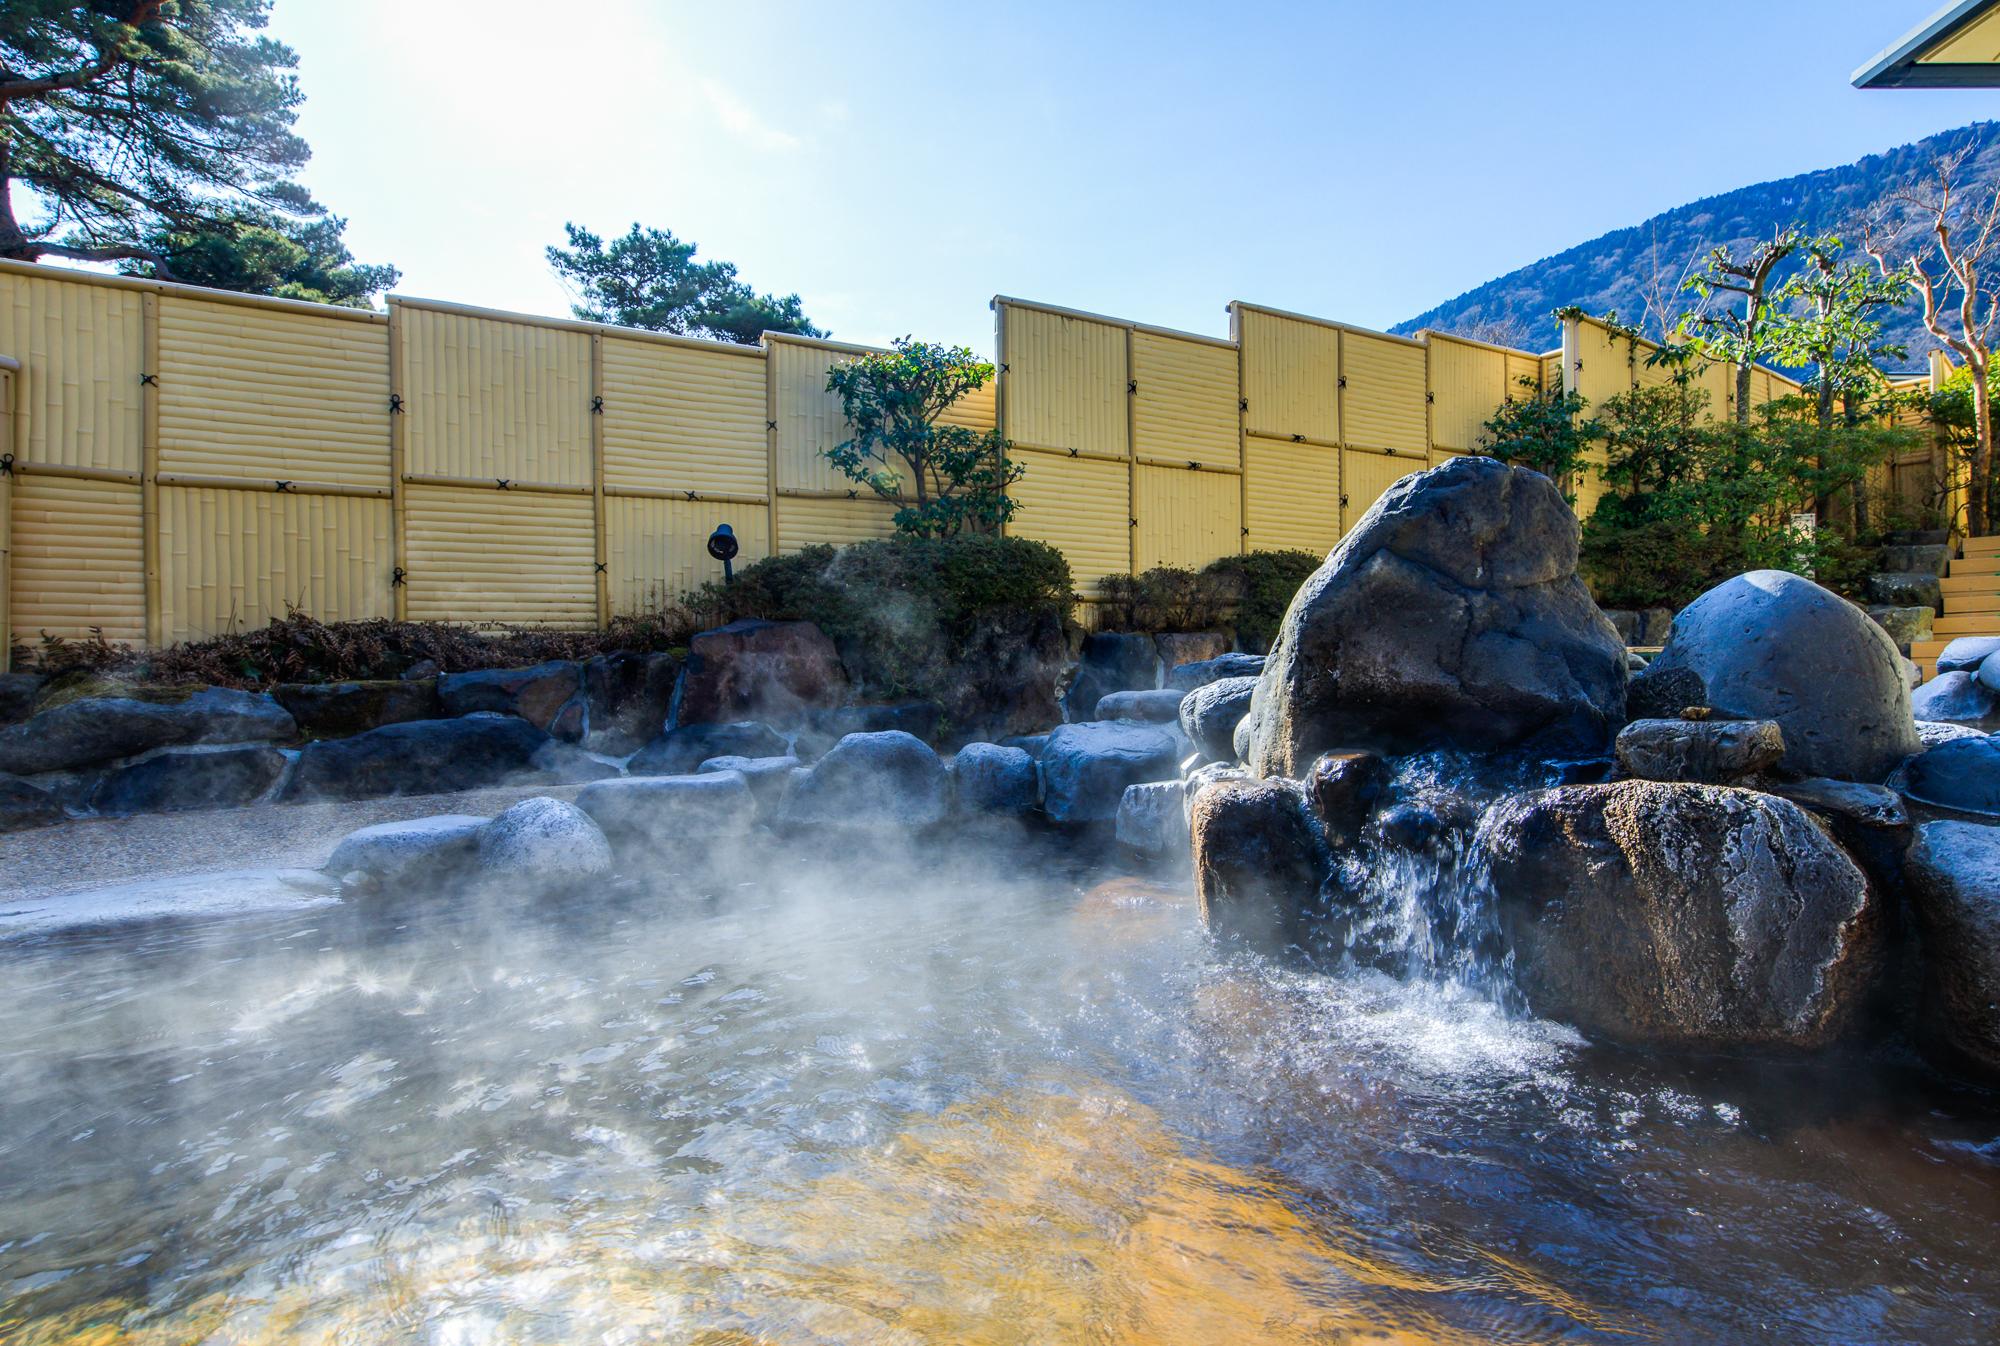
722	546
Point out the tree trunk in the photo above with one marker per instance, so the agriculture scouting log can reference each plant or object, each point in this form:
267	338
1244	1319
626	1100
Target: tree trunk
1850	417
1743	393
1982	452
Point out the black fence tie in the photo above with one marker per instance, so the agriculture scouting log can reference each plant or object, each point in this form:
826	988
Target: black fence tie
1243	404
503	483
1075	454
284	487
597	406
692	495
150	380
1003	366
1298	439
1132	386
854	495
395	404
6	464
1244	531
1343	502
1340	382
397	576
1133	524
770	425
1429	398
600	568
1193	466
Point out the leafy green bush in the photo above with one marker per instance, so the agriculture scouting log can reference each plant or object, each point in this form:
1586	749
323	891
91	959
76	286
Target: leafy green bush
1544	430
1165	598
937	618
1260	586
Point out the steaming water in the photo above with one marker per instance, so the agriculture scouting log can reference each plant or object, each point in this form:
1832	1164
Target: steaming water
1004	1098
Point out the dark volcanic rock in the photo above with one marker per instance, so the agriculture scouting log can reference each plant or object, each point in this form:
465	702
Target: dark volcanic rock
629	694
671	810
888	779
1711	752
536	694
190	778
1772	646
1682	915
1159	706
1663	693
419	757
1187	677
1869	821
992	778
1954	871
1112	661
103	729
1451	617
758	670
1905	590
679	751
1342	789
1190	647
1152	820
1963	775
337	709
23	806
17	695
1210	713
826	727
1257	866
1086	767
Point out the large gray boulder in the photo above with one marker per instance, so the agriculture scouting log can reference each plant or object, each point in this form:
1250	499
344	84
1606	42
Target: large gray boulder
1905	589
759	670
543	842
1956	698
420	757
1711	752
1966	654
1258	868
103	729
23	806
629	694
671	810
400	854
1452	616
17	695
1682	915
991	778
888	779
178	779
1771	645
1158	706
337	709
1086	767
538	694
1111	661
1152	820
680	750
1210	713
1954	872
1187	677
769	778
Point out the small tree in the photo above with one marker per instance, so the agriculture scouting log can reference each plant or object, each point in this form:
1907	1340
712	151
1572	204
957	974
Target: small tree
944	479
1940	239
258	251
650	279
1544	430
121	118
1731	336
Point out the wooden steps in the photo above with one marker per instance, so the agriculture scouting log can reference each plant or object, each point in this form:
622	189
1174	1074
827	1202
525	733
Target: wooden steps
1971	590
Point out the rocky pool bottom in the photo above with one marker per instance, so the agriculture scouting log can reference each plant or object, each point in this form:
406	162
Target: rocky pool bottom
842	1093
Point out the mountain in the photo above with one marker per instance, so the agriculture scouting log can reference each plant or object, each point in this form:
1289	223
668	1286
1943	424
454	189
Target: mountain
1636	271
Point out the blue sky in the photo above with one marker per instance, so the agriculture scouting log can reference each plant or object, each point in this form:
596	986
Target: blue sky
898	165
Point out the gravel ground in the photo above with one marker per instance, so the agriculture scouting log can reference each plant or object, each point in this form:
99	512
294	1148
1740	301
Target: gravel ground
93	852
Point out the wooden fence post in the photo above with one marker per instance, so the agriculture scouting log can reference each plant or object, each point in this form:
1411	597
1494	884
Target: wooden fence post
9	379
399	433
149	465
600	574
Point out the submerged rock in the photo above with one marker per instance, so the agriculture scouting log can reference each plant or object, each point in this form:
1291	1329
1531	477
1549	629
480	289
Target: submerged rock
681	750
23	806
400	854
759	670
1210	713
1159	706
1933	732
1954	871
1257	866
337	709
1711	752
1452	616
1682	915
190	778
1086	767
1771	645
991	778
419	757
233	892
769	778
887	779
1955	698
542	841
1187	677
671	810
103	729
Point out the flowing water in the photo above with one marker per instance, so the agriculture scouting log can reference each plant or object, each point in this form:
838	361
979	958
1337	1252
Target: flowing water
842	1096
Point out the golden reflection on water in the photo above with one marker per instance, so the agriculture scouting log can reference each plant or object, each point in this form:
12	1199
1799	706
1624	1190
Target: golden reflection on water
1053	1213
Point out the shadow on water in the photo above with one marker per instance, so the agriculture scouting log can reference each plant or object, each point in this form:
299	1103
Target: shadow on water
853	1092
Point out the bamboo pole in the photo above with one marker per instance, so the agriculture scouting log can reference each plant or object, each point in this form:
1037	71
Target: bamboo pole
600	576
399	433
771	443
8	439
1242	443
149	464
1131	459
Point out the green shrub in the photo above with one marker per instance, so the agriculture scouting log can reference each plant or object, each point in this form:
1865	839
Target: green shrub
907	613
1260	585
1165	598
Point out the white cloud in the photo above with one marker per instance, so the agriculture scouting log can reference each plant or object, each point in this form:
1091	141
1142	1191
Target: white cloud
741	119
